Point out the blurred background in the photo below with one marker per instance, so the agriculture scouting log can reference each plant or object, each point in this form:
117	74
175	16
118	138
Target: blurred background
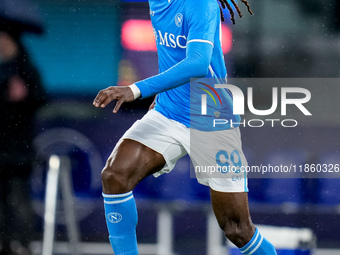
88	45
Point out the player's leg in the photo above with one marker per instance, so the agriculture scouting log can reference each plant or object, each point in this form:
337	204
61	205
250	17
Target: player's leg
129	163
232	213
228	187
148	147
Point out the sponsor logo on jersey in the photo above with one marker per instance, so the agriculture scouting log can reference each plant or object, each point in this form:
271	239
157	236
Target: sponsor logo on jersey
170	40
179	19
114	217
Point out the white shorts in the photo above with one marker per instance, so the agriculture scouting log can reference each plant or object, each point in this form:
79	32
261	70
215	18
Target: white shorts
172	139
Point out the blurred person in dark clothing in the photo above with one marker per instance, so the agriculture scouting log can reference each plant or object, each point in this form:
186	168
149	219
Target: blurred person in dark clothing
21	94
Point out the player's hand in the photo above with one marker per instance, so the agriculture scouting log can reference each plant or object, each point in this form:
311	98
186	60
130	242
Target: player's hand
121	94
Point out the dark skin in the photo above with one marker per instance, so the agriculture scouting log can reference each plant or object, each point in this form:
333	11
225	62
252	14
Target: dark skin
121	94
131	161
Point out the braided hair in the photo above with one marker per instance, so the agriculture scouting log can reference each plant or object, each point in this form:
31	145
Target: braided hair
224	4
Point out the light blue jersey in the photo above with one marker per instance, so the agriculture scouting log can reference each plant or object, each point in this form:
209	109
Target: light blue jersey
188	36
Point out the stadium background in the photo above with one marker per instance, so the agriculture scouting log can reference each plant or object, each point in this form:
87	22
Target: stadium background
90	45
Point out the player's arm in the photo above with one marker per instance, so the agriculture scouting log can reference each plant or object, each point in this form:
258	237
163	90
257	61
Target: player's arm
195	65
202	18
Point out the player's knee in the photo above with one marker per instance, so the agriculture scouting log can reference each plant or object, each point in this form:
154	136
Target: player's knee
239	233
115	180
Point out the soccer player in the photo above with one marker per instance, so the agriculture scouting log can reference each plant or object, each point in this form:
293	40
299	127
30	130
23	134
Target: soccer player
188	43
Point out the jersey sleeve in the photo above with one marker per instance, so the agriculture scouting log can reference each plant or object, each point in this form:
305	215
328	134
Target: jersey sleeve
195	65
203	17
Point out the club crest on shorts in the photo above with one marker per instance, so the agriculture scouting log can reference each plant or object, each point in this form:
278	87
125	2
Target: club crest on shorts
114	217
179	19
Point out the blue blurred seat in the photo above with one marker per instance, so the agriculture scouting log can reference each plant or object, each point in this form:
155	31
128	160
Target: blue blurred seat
284	187
329	182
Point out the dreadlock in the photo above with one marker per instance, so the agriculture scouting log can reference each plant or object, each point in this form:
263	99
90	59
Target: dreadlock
225	4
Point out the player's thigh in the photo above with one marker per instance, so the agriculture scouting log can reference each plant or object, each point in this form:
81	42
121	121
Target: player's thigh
232	213
129	163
